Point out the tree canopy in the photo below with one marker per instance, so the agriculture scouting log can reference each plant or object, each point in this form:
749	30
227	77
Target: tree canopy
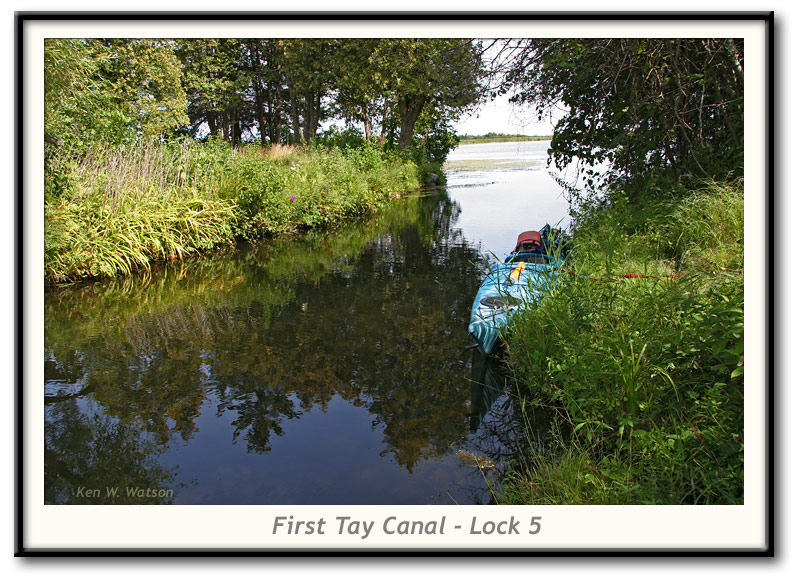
638	115
111	90
645	108
274	90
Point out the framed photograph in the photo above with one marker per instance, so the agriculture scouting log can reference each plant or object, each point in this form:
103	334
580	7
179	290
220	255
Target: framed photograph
359	283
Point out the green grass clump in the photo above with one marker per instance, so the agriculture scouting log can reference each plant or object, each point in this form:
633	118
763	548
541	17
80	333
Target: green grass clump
93	238
111	211
311	187
648	373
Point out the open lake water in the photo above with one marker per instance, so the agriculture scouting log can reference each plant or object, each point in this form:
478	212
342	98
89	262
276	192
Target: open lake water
328	369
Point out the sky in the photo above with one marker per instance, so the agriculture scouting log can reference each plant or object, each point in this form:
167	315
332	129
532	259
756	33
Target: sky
501	116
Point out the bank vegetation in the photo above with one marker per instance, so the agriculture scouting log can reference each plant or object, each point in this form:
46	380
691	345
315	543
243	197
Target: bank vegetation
639	348
127	207
646	373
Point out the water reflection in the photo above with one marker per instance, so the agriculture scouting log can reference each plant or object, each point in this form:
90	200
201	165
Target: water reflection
503	427
328	369
247	345
489	383
85	451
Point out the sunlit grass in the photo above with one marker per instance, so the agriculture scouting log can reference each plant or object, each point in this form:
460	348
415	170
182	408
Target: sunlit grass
648	373
112	211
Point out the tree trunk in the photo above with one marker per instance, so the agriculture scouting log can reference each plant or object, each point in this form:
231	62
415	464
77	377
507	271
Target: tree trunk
308	117
275	131
367	126
273	116
312	118
213	125
259	97
382	138
223	127
410	108
237	134
296	124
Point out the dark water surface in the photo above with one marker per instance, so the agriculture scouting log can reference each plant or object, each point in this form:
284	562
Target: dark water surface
328	369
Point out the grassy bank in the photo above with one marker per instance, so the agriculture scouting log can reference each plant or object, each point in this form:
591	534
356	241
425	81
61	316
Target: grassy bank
646	372
113	211
499	138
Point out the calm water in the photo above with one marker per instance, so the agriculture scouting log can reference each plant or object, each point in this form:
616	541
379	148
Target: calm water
325	370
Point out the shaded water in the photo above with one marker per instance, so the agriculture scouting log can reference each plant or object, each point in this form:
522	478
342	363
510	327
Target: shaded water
328	369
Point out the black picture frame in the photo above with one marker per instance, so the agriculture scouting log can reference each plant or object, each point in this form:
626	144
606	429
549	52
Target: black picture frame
26	183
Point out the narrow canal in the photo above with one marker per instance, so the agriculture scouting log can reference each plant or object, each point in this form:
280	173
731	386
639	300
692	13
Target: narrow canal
330	369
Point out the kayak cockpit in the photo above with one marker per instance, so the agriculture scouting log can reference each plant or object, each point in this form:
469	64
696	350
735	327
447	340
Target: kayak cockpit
518	281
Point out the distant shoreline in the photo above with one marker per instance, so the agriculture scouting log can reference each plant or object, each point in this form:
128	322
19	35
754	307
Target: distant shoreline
500	139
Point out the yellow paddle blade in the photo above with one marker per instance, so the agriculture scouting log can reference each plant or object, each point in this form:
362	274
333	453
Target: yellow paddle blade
514	275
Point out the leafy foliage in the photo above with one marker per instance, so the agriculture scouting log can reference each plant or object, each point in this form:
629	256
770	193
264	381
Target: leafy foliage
640	114
78	101
441	74
277	90
212	79
111	91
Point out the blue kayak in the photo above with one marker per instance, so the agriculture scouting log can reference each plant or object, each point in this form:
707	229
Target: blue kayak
517	282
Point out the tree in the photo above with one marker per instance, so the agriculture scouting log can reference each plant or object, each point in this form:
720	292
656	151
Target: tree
79	106
647	108
73	93
309	80
120	89
264	67
111	90
426	71
435	134
358	95
213	82
145	77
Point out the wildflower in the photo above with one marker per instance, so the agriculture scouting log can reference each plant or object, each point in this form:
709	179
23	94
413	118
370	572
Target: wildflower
291	198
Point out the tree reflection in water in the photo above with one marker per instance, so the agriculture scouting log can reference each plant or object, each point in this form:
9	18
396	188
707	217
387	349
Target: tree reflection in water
373	314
